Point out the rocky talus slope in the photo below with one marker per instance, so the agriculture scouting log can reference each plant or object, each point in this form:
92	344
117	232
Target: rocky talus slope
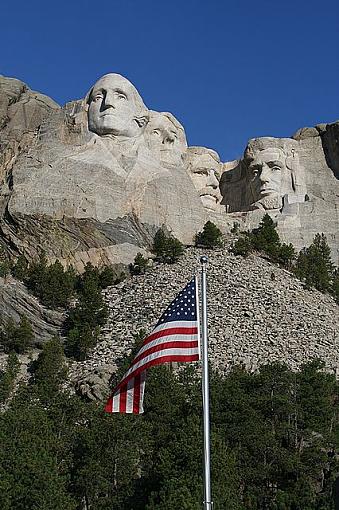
257	313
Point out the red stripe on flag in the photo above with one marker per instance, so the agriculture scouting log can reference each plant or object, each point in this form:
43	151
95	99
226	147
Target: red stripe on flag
123	397
165	345
170	331
136	394
109	405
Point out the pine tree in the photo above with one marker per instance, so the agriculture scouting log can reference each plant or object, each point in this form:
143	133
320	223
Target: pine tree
139	265
84	320
210	237
49	370
243	245
107	277
58	286
18	338
265	237
167	248
20	268
8	376
314	265
335	285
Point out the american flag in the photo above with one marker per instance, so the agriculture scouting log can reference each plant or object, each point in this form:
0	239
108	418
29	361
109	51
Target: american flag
174	338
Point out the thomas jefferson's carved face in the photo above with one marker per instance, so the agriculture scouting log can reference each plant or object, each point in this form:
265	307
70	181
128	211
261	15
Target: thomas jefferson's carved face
165	138
205	174
265	174
115	108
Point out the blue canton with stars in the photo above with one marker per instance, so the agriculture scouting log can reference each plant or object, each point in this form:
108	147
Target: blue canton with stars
183	307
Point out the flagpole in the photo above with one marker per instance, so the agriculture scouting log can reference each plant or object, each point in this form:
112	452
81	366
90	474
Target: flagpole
205	389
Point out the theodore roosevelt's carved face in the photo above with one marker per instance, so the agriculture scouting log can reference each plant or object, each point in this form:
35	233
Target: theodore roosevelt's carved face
116	108
204	168
166	137
265	174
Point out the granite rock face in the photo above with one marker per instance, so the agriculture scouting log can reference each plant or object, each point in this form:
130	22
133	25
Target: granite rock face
295	180
95	185
94	180
16	301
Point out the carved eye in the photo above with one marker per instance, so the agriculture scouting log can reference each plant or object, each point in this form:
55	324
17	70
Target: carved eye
156	132
276	168
122	97
97	97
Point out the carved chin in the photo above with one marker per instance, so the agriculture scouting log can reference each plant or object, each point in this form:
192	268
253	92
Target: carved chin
271	201
209	201
112	125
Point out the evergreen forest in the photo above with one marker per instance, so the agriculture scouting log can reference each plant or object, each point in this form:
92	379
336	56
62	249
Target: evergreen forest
274	441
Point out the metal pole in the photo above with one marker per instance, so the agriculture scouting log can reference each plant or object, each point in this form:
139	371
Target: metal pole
205	390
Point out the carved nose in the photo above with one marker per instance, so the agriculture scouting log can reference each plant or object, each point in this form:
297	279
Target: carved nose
168	139
109	100
212	181
265	173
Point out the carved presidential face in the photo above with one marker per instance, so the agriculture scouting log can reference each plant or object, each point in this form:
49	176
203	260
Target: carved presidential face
116	108
265	174
166	137
204	170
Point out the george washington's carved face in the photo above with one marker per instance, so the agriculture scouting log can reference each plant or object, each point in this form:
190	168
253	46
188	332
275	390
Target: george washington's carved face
115	108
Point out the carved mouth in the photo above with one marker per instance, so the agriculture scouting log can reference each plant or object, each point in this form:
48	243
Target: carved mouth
265	191
209	195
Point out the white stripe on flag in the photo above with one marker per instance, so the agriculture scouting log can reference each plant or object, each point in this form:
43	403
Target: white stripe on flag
181	337
165	352
174	324
130	396
142	390
116	402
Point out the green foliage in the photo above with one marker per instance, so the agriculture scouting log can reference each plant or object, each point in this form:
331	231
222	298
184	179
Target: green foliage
32	474
80	340
265	239
314	265
286	255
335	285
20	268
8	376
53	285
242	246
5	263
210	237
86	317
18	338
5	268
167	248
274	434
107	277
139	265
49	370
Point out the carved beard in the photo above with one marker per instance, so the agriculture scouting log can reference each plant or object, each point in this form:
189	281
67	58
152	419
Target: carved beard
269	202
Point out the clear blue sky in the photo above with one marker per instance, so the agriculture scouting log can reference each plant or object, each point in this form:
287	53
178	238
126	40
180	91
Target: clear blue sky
228	70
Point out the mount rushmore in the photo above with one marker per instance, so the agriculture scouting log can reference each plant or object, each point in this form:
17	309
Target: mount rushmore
95	179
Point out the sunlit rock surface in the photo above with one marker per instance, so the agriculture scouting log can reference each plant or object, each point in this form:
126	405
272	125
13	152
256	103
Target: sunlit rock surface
94	180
